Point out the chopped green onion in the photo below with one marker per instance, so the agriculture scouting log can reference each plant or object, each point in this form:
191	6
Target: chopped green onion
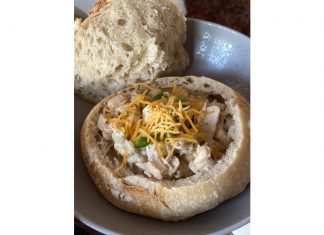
141	142
182	99
158	96
168	135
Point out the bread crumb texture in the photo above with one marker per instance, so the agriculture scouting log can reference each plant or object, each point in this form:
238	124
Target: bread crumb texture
127	41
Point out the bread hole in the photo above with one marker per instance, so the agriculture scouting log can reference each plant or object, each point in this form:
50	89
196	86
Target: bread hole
93	83
206	85
105	32
189	80
98	74
102	84
121	22
162	45
126	47
216	97
99	40
100	54
127	55
79	46
118	68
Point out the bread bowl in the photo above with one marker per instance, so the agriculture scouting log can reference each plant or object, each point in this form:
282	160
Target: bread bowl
170	195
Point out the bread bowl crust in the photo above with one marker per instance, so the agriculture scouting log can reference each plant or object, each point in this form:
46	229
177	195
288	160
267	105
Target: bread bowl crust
180	199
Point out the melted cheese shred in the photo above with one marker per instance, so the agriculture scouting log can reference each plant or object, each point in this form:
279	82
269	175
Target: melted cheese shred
165	116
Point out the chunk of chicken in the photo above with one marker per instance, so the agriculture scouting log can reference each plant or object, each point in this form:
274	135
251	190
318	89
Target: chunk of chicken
141	165
183	147
150	152
104	127
209	121
135	158
146	113
155	168
101	122
172	164
117	100
107	132
118	138
202	160
160	168
126	147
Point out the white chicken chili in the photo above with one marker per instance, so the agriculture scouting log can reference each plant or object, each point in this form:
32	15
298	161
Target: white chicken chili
165	133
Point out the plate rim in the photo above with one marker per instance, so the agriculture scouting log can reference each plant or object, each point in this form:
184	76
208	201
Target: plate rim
228	29
104	230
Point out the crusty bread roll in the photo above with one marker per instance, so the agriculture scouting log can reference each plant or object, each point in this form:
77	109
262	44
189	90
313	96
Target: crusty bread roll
176	199
127	41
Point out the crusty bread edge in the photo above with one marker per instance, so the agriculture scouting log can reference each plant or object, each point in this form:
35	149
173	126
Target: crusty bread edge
179	202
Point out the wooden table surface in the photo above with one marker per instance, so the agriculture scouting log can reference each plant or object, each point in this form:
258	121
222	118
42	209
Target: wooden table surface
231	13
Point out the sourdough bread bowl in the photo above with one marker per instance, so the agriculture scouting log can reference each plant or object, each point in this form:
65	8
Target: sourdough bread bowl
173	199
127	41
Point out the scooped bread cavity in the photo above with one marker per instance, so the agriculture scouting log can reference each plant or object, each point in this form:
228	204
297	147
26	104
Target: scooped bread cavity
127	41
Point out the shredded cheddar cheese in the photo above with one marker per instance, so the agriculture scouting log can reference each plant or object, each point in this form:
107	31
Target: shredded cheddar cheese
165	116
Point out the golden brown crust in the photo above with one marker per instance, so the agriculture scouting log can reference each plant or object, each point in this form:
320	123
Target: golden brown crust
98	6
184	198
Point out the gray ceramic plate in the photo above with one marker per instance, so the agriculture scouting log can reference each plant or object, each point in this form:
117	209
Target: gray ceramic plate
219	53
